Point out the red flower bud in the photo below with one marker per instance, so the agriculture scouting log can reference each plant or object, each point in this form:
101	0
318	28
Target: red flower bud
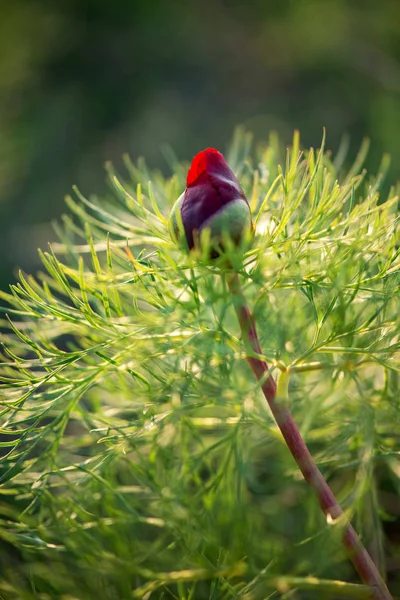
213	200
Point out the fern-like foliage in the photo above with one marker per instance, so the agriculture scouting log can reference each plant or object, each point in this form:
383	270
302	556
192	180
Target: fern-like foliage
138	457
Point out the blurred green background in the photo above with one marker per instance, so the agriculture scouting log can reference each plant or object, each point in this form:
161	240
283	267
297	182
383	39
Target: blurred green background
83	81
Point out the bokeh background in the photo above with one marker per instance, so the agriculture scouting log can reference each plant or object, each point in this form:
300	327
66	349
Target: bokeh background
83	81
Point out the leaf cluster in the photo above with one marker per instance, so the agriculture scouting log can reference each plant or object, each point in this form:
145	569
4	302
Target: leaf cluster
138	458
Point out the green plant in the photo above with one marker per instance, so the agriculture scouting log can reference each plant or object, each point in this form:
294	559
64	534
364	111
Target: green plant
139	458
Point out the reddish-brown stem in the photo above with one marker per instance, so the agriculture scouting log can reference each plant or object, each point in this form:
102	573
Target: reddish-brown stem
330	506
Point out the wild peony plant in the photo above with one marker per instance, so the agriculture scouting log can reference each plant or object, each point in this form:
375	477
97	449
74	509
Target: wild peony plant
140	459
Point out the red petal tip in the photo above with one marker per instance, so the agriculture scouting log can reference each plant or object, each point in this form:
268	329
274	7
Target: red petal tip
199	165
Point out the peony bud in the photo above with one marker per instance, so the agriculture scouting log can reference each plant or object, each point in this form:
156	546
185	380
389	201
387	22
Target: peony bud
214	201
